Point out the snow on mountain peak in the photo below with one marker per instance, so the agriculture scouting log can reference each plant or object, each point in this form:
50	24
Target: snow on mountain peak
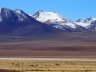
0	10
6	11
85	22
58	20
20	14
45	16
0	15
18	11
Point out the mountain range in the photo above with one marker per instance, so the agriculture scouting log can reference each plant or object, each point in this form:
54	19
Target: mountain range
44	25
61	22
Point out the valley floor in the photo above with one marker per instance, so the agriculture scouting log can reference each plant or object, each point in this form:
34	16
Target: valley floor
46	54
48	57
48	49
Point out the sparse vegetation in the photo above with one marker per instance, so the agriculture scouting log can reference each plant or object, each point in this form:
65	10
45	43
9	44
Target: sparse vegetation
6	70
46	66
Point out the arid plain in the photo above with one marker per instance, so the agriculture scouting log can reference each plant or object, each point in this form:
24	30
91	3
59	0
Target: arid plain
47	65
46	49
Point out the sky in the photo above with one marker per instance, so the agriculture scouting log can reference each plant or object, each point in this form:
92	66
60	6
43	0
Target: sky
72	9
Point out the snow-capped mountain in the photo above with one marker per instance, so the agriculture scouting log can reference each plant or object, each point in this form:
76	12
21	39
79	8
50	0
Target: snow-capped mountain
18	23
55	19
21	16
7	13
86	22
12	19
58	21
44	24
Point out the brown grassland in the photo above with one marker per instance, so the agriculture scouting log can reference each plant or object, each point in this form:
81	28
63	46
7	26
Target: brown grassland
47	66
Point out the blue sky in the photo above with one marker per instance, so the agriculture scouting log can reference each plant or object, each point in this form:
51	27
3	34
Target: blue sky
73	9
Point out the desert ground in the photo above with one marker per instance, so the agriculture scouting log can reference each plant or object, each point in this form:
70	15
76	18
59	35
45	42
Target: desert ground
48	64
46	56
48	49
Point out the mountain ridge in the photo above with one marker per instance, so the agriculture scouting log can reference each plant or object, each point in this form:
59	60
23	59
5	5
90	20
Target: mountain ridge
17	25
17	22
62	22
51	18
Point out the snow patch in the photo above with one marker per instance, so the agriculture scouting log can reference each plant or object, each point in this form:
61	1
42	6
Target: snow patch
7	12
85	22
56	19
0	16
20	15
0	10
44	16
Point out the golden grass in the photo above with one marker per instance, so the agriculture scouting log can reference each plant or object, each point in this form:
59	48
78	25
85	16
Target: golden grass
48	66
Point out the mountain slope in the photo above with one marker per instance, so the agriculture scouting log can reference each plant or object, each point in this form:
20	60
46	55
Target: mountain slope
88	23
18	23
56	20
